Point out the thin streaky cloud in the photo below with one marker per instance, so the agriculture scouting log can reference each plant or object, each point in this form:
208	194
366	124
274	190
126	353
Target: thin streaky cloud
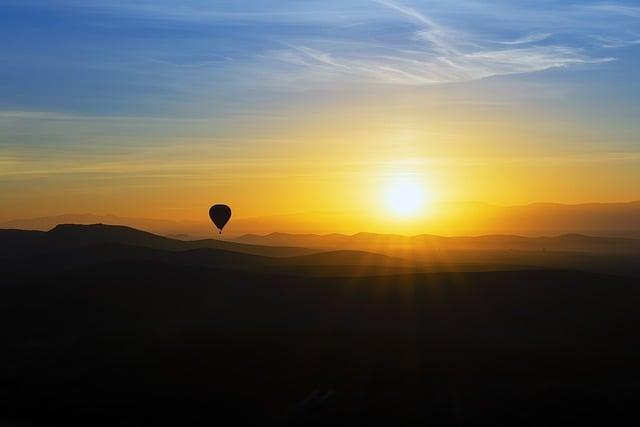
407	11
443	55
321	57
614	43
423	69
529	38
233	48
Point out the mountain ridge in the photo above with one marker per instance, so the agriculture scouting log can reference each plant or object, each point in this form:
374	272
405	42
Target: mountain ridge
367	254
75	235
569	242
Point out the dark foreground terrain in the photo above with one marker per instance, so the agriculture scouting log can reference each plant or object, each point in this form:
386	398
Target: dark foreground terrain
104	326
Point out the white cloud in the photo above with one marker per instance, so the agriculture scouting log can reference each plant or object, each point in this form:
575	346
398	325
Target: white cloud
386	41
442	55
529	38
408	11
423	68
613	42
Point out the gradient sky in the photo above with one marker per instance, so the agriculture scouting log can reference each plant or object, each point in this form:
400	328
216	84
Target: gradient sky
159	108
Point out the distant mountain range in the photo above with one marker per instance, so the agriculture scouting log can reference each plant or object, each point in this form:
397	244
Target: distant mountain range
105	325
68	236
386	243
72	245
179	229
459	219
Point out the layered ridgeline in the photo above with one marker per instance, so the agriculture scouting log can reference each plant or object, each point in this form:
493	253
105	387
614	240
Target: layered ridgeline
71	245
108	325
426	243
569	251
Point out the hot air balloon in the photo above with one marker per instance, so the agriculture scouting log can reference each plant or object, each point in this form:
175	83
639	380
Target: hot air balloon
220	215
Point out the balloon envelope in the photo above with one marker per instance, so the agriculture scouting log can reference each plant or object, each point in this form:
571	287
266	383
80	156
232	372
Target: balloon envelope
220	215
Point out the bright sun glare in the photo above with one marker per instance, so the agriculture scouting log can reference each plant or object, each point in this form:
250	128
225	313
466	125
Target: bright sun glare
405	197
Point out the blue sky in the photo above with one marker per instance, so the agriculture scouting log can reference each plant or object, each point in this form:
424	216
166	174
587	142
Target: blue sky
170	58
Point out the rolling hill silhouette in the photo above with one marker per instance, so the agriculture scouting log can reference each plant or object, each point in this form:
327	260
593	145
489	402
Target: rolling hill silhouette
74	235
390	242
107	325
69	245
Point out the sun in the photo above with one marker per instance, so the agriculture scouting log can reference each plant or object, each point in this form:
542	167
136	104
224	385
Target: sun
405	197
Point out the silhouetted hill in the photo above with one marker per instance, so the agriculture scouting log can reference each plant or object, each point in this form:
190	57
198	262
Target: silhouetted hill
74	235
72	246
69	246
157	226
390	242
108	325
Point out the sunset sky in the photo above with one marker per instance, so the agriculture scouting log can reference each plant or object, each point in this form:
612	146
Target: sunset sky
160	108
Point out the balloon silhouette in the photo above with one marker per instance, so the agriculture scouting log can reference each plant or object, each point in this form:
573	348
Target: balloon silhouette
220	215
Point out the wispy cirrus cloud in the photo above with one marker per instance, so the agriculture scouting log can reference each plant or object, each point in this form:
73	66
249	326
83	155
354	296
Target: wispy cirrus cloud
528	38
614	43
425	68
408	11
435	53
156	56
